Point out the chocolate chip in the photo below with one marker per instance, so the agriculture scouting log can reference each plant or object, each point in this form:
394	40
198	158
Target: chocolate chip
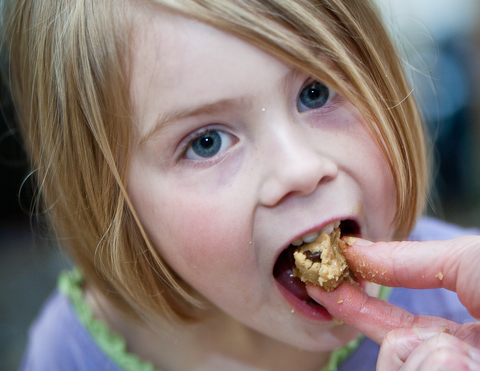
313	256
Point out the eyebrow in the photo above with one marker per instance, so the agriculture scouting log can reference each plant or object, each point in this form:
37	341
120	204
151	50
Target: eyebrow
165	119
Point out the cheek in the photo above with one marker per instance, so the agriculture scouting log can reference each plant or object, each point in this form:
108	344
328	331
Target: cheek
209	246
374	176
365	164
203	236
199	227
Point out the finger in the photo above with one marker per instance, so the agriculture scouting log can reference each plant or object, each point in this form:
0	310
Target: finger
445	360
452	264
373	317
442	350
470	333
410	264
421	348
398	345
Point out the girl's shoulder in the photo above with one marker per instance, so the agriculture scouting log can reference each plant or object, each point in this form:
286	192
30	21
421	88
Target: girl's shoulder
66	336
58	341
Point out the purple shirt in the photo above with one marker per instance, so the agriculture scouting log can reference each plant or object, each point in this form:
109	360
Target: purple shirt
58	341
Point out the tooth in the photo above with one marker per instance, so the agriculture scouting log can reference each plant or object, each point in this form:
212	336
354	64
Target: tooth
297	242
336	224
328	228
310	237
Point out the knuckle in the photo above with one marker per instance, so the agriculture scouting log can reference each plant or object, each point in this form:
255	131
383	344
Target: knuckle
396	341
400	343
390	338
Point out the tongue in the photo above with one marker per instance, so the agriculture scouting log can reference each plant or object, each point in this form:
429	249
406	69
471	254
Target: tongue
283	273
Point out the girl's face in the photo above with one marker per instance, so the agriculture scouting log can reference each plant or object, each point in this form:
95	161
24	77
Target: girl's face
238	155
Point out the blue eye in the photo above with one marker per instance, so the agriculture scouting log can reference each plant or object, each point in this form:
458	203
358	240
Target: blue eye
314	95
208	144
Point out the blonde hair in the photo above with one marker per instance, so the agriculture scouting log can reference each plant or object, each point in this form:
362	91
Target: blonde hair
70	75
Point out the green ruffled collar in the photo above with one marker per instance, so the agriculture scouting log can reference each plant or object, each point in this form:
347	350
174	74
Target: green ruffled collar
114	346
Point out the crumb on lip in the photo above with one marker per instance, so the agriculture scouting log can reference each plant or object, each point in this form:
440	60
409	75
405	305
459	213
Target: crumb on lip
337	321
439	275
350	241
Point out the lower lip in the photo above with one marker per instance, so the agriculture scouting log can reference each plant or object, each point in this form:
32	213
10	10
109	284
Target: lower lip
317	313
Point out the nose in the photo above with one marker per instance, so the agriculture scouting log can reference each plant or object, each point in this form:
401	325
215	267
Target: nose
295	166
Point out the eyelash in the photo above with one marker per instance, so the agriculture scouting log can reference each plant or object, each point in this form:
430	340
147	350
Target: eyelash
187	143
333	96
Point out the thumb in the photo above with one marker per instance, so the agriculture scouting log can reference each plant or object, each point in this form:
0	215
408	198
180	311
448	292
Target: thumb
371	316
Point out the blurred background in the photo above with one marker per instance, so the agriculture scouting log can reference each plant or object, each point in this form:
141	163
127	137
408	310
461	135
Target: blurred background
440	41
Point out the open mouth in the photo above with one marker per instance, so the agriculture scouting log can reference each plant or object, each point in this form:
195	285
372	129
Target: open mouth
285	265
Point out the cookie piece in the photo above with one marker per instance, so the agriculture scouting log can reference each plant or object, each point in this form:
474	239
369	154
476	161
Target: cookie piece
321	262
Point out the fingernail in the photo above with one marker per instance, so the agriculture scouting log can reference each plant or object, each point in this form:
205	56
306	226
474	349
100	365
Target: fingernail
361	242
318	302
309	285
427	333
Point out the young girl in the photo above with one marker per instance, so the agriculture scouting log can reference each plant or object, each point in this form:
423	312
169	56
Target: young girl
181	147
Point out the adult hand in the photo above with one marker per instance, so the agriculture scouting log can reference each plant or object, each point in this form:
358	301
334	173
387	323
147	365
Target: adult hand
410	342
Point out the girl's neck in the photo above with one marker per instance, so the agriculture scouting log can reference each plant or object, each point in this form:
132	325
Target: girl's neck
218	343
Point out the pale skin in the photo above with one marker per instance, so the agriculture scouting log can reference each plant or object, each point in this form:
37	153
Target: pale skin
221	219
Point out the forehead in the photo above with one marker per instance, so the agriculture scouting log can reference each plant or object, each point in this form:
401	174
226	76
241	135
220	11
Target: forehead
179	62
